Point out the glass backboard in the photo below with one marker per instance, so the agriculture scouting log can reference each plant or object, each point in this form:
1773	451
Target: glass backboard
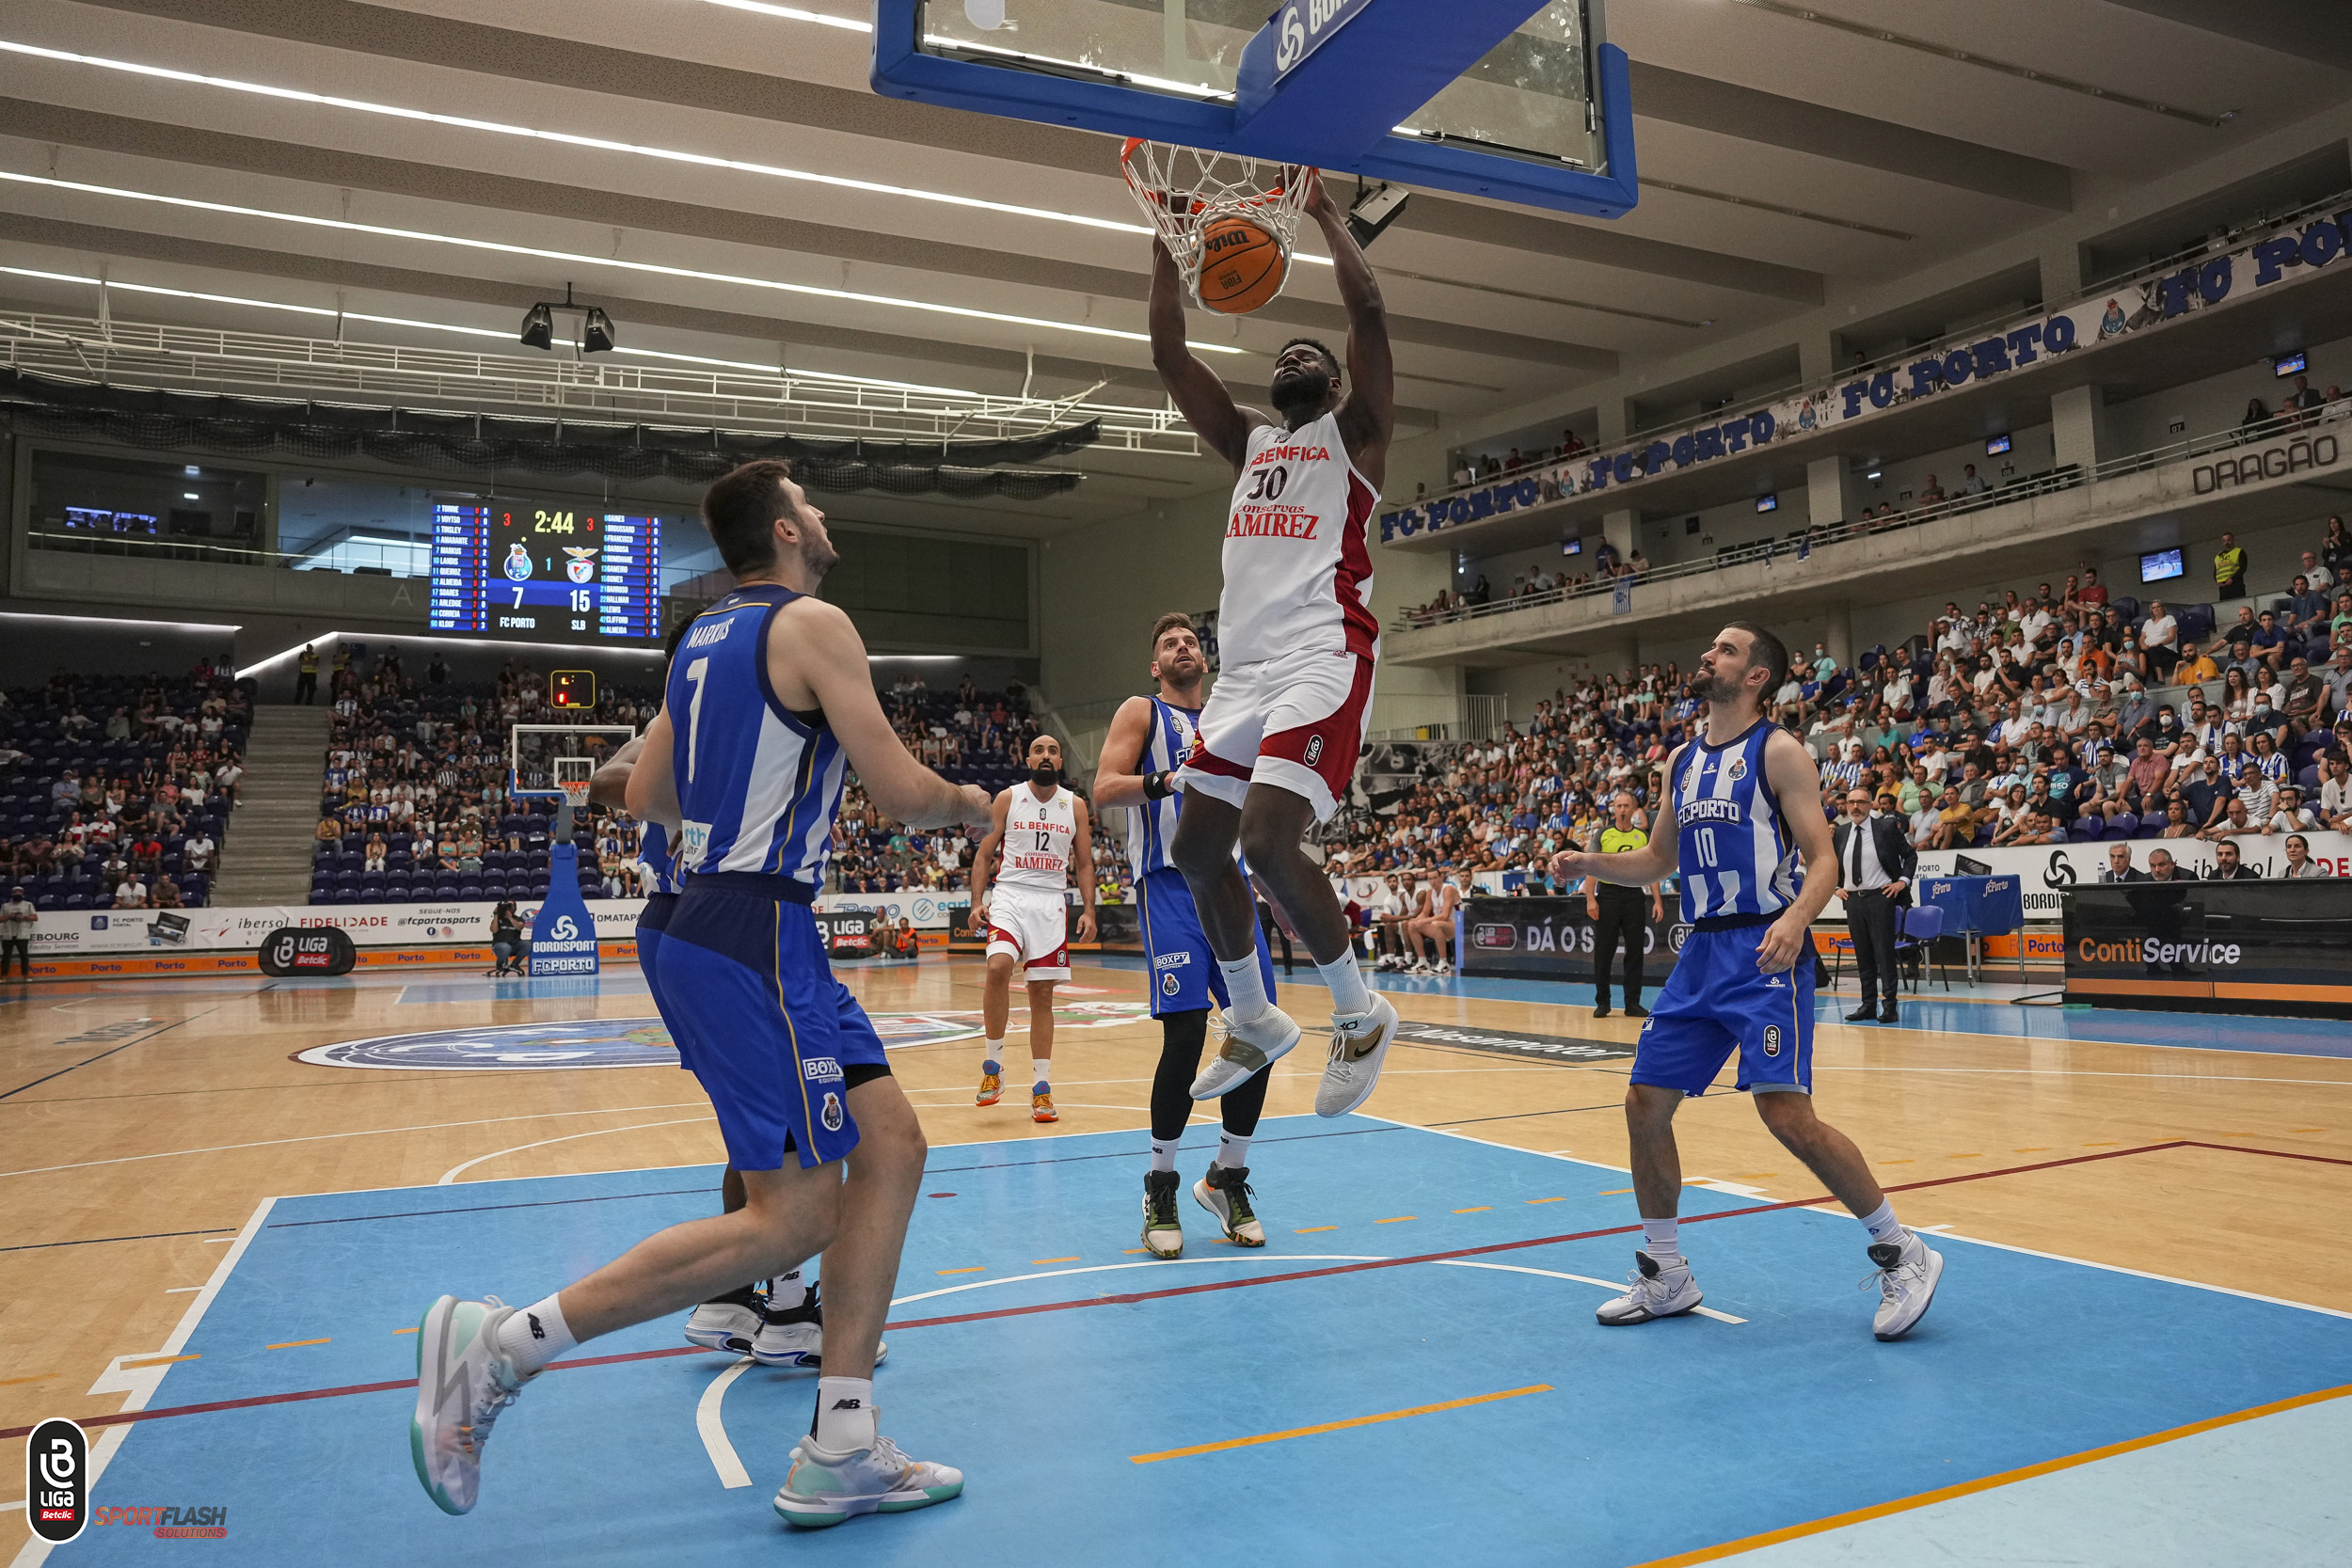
1497	98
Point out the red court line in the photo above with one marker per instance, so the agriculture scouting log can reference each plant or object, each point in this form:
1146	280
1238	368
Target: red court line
1131	1298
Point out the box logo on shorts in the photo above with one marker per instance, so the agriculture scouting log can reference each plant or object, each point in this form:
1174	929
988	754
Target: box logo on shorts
821	1070
831	1115
1772	1041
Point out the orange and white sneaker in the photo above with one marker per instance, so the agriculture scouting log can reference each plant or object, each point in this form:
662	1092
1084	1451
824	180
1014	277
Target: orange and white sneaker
992	1089
1041	1108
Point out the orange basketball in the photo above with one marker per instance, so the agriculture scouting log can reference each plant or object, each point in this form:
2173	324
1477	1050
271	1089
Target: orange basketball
1241	265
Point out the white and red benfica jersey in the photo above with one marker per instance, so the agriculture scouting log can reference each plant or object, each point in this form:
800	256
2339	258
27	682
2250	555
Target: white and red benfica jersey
1297	578
1037	838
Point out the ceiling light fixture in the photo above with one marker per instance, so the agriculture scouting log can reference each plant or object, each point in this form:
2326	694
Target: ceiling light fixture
542	253
538	327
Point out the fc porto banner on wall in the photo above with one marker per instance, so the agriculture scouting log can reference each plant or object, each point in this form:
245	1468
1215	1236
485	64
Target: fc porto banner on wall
2289	252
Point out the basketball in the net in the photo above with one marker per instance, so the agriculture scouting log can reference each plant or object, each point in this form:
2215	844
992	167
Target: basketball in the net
1241	265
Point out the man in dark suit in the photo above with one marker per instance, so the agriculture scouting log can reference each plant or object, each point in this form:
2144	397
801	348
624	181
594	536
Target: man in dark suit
1875	861
2229	866
2119	866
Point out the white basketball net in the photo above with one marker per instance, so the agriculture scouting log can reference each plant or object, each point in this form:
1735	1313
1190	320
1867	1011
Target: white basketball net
1182	188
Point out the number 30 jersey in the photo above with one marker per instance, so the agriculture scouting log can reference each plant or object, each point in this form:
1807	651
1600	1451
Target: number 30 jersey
1038	839
757	784
1297	578
1733	852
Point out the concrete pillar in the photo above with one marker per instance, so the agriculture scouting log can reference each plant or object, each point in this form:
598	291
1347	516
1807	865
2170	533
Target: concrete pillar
2061	271
1621	530
1830	492
1816	357
1611	422
2078	427
1837	632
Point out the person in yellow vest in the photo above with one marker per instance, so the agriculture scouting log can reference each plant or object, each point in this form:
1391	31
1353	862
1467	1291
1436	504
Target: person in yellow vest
1616	911
2228	569
306	675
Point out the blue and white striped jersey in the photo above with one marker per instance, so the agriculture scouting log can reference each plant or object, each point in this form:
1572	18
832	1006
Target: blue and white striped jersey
656	853
1736	854
757	784
1172	735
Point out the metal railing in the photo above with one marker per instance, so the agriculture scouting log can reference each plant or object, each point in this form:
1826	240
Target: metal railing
1768	550
746	400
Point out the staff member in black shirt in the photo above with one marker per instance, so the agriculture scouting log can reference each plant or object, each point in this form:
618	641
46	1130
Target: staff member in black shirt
1616	911
1875	861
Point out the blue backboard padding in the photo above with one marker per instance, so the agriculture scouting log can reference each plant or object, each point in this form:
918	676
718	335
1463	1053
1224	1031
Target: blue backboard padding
902	70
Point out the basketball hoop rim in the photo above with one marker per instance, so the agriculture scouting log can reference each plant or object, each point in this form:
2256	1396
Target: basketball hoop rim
1274	205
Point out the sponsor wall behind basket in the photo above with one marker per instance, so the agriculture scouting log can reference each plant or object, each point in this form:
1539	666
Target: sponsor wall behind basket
76	932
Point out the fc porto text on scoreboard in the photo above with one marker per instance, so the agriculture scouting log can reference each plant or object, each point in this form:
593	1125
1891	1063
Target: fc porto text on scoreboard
543	571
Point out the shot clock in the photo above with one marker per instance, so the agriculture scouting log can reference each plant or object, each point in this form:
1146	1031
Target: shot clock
543	572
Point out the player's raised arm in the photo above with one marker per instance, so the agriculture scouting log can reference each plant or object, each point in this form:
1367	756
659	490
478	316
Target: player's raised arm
650	794
1790	768
1199	393
1116	781
1633	867
824	652
608	785
1367	414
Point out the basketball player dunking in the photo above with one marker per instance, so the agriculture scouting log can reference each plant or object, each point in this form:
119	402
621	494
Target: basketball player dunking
770	699
783	1326
1743	981
1039	832
1147	740
1277	740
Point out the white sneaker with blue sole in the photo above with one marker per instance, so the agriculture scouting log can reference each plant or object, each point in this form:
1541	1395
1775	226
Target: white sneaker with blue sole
464	1383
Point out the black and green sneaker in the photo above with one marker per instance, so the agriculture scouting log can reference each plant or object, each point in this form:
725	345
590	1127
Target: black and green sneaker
1226	1194
1162	1233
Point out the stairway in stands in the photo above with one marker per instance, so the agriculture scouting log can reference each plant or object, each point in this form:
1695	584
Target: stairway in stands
266	855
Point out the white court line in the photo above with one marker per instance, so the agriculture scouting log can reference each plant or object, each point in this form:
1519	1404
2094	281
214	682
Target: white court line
450	1176
1617	1285
358	1132
140	1382
2143	1274
2091	1072
1157	1263
713	1428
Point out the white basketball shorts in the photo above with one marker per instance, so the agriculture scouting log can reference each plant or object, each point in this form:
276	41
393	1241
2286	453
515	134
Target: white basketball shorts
1295	722
1034	926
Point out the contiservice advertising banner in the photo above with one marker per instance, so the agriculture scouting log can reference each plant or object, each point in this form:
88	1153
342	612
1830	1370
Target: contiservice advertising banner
2284	946
72	932
2292	251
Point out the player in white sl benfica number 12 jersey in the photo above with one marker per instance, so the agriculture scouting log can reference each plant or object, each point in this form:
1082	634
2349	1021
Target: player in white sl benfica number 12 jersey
1298	644
1020	886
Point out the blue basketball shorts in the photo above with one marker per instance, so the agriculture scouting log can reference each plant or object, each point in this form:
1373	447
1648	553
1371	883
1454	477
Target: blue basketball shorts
651	922
760	1021
1716	1002
1184	977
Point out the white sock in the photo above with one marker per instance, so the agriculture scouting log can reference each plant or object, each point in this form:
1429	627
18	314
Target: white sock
845	1414
1232	1151
535	1335
1883	1225
1349	999
993	1059
1246	986
787	1290
1662	1240
1164	1154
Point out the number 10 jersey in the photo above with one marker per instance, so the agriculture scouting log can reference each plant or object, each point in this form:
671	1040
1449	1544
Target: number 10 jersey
1732	850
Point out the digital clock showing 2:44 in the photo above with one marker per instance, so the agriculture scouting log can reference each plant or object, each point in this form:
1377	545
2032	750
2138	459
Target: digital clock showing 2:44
550	568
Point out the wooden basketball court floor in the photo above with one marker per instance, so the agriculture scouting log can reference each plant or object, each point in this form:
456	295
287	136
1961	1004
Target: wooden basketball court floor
2137	1356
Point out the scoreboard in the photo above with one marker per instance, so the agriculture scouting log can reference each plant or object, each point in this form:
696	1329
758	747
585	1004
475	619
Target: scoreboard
545	572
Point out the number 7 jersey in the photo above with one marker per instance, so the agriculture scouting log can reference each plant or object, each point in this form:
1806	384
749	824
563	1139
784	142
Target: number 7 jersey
1732	850
757	783
1297	577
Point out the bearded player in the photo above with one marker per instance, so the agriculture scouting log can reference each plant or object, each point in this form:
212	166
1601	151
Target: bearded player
1753	876
1298	643
1038	835
1147	740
